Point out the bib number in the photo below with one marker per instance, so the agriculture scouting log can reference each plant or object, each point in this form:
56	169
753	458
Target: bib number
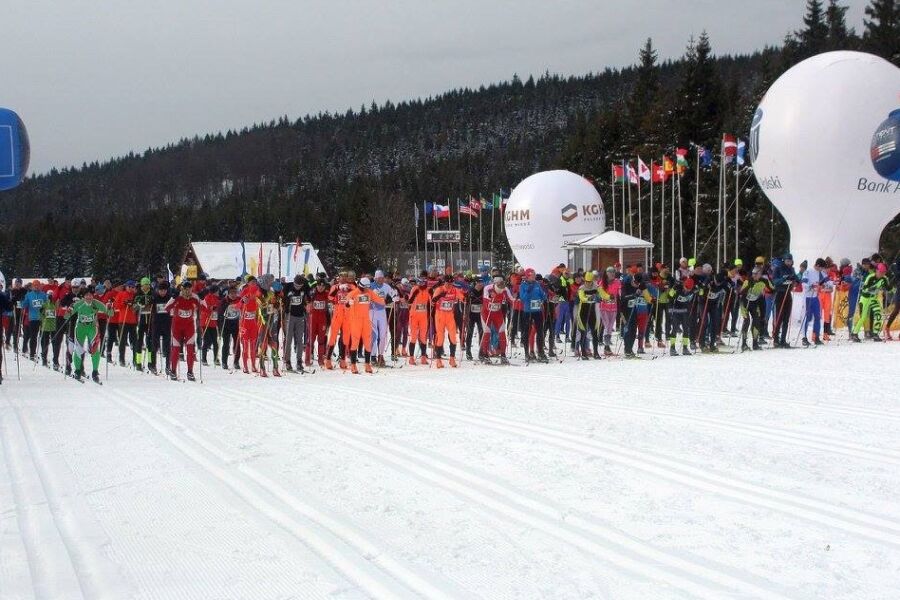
475	308
446	305
185	314
535	305
319	305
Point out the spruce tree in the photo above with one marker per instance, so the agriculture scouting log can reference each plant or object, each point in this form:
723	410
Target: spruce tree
839	37
814	36
881	34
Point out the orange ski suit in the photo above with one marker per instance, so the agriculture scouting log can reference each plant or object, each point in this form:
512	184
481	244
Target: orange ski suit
419	303
360	320
445	299
339	321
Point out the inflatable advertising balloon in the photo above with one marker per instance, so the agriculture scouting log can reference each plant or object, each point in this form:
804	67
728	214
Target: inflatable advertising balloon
548	209
14	150
824	146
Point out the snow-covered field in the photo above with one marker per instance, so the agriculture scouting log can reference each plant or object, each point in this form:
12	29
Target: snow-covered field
773	474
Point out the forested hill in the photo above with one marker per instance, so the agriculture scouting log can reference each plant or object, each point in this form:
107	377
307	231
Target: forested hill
334	179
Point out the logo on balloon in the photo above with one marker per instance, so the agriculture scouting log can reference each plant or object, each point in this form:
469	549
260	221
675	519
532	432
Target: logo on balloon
885	149
569	212
754	134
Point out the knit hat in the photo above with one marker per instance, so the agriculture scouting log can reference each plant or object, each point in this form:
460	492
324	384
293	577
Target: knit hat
379	273
589	276
145	281
365	282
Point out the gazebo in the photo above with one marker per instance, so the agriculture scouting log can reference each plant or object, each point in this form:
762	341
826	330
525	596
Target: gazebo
596	252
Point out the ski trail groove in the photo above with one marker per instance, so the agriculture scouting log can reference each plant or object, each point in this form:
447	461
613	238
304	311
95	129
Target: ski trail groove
830	407
94	575
776	434
349	551
853	521
606	543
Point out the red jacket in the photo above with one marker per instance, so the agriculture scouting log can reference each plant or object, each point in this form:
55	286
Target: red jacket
123	310
209	311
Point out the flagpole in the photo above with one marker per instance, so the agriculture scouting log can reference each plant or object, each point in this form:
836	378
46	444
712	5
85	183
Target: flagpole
480	239
471	255
416	217
493	210
672	218
630	208
624	180
737	203
719	207
680	222
697	202
662	216
434	227
640	216
652	173
425	231
612	183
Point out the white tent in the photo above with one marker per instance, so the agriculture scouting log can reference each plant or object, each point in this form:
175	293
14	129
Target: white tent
605	249
228	260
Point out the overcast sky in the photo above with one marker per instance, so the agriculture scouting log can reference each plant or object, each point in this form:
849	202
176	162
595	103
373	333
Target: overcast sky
96	79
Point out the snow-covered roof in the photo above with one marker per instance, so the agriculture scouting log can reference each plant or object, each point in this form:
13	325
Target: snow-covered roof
610	239
225	260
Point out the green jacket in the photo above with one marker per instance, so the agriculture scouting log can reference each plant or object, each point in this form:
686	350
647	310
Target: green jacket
48	316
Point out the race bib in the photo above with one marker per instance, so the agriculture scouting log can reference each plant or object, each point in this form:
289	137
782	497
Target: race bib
38	303
446	305
249	316
535	305
18	304
296	300
421	307
213	316
494	306
232	313
403	304
319	305
185	314
161	307
475	308
363	299
85	318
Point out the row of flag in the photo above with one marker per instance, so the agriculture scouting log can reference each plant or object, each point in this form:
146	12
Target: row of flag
733	149
472	207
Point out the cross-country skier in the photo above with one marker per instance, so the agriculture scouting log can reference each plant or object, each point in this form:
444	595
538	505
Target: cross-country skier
183	310
870	303
87	338
496	302
388	295
445	298
160	328
296	298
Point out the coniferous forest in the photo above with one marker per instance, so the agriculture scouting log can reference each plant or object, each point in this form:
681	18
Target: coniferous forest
335	178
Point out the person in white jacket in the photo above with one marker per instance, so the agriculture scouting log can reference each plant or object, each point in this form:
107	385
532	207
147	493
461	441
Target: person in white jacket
814	280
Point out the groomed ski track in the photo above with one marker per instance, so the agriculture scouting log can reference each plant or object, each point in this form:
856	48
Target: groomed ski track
768	474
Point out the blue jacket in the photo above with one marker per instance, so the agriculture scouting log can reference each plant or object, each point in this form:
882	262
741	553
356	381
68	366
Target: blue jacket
784	276
532	296
34	301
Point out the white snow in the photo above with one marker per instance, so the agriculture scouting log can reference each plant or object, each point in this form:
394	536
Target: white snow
769	474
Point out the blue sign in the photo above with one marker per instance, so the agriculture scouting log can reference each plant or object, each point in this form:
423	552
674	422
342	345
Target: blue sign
885	149
15	151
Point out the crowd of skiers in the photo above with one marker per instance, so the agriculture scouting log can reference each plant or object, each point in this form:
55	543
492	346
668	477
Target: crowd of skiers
264	324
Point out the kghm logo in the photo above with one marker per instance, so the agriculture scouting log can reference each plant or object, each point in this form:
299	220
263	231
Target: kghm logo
885	148
754	134
517	215
569	212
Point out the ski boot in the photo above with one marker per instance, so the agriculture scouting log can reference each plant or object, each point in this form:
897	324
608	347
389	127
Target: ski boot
44	362
805	343
423	360
95	377
343	364
714	349
381	362
190	376
262	370
607	351
596	355
685	351
173	375
412	361
876	338
369	369
469	355
438	363
541	357
660	344
288	367
551	354
744	347
56	367
354	369
275	371
485	360
756	345
504	360
139	368
640	350
453	362
630	355
329	366
585	356
152	370
672	350
122	363
887	335
817	341
78	375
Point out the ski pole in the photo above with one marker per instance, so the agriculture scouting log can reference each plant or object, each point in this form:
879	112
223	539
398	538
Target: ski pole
778	316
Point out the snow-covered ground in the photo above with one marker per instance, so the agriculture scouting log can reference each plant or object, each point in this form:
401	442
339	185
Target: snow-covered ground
773	474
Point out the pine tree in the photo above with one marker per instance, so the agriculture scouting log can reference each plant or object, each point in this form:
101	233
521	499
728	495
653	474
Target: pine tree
698	115
814	36
881	34
642	104
839	37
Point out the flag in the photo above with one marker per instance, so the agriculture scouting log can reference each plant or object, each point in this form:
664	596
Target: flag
441	211
243	259
171	275
306	262
618	172
729	147
468	210
741	151
429	208
297	245
416	214
485	205
497	201
705	157
475	204
659	174
681	163
643	170
632	175
668	166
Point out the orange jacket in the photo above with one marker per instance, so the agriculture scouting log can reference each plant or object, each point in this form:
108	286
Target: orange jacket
358	301
446	297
